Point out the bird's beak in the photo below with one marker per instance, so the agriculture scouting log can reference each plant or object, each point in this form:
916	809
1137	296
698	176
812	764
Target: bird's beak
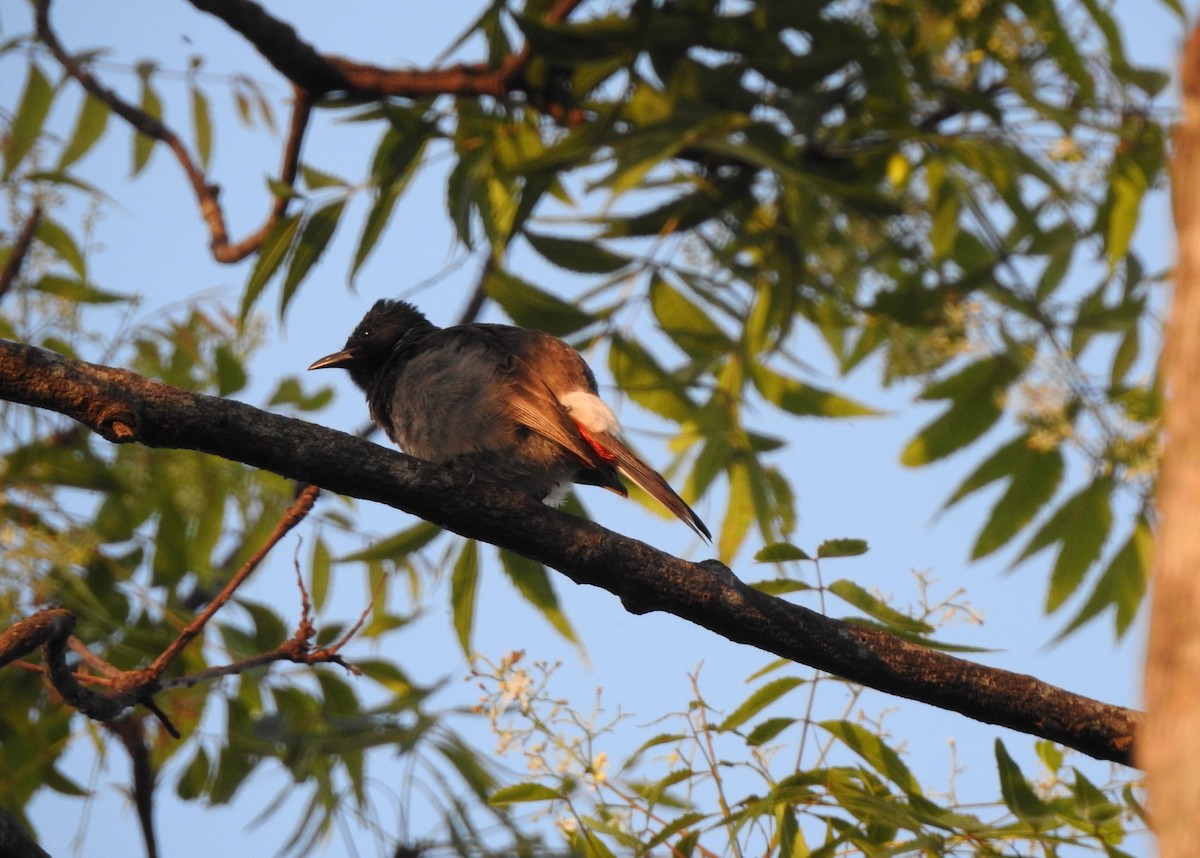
343	358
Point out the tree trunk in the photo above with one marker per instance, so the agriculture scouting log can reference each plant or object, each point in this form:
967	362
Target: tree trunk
1169	744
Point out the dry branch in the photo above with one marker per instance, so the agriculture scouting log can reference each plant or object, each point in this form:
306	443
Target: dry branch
124	407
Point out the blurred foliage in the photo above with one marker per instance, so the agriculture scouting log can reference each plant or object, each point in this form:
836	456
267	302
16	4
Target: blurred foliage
943	193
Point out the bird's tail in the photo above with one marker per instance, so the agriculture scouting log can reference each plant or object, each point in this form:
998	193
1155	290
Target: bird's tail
627	462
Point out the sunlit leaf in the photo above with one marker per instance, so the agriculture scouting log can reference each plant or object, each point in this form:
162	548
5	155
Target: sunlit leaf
531	580
27	123
151	105
274	250
875	752
874	607
54	236
759	700
319	569
1034	481
89	127
803	399
1122	585
76	291
531	307
202	125
463	582
1018	794
780	552
231	374
572	254
643	380
516	793
1080	527
314	239
842	548
398	546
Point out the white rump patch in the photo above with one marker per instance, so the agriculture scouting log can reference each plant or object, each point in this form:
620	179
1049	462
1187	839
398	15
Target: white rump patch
590	411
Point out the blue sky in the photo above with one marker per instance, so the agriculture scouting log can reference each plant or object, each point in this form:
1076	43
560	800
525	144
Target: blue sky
846	473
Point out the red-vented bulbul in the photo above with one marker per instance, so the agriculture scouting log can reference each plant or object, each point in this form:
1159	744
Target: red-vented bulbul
512	406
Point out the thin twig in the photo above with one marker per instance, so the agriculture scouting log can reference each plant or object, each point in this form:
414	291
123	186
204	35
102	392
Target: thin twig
20	249
294	515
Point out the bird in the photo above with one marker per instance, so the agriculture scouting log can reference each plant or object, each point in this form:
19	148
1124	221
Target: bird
511	406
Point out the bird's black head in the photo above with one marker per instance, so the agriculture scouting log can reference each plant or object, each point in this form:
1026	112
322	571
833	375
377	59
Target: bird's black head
374	340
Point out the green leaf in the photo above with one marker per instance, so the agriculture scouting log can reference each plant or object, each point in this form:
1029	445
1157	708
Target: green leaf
1122	585
759	700
89	127
1035	479
669	830
1001	464
320	567
780	552
802	399
690	327
1018	794
377	218
231	375
27	123
194	778
315	179
274	250
531	580
842	548
76	290
202	126
529	791
873	607
290	391
780	586
62	243
151	105
463	583
1091	803
641	378
1080	526
768	730
531	307
573	254
398	546
314	238
878	755
1126	190
954	429
172	555
740	511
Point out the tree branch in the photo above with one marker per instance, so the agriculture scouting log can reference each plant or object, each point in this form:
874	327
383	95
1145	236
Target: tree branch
124	407
19	250
303	65
207	194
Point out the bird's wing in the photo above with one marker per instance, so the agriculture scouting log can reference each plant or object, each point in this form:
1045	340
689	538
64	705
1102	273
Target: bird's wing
532	362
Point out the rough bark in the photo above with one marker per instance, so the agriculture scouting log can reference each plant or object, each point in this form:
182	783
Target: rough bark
1169	746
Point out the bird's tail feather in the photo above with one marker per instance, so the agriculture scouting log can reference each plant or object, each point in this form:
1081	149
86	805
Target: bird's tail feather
648	480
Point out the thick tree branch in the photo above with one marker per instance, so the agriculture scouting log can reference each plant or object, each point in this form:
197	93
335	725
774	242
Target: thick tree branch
15	841
301	63
124	407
